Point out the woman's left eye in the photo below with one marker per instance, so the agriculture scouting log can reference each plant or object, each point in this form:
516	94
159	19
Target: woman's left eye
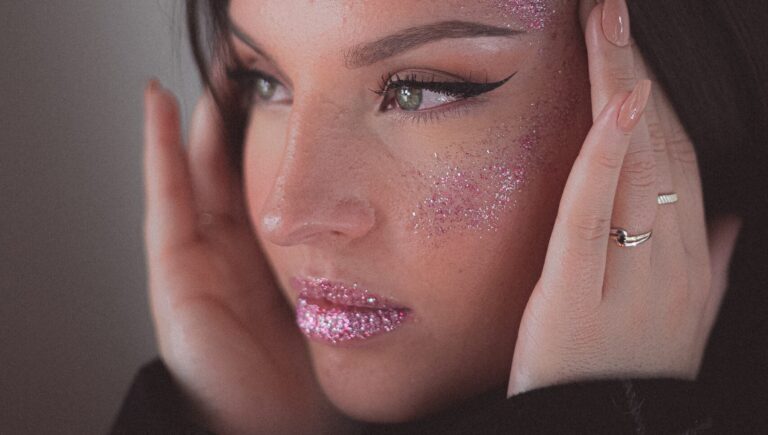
413	95
412	98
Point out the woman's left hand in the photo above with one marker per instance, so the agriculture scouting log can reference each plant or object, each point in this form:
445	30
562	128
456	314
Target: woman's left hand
600	310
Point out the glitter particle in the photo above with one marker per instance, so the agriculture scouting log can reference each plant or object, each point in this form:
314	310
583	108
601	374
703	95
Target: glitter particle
534	14
475	194
335	312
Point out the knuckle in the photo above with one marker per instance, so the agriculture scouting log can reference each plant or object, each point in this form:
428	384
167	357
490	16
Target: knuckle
622	76
590	227
640	172
656	134
610	160
682	151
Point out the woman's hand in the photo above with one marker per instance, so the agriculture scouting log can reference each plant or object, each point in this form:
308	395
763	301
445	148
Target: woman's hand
224	330
600	310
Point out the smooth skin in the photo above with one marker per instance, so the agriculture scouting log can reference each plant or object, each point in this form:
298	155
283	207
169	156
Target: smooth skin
598	310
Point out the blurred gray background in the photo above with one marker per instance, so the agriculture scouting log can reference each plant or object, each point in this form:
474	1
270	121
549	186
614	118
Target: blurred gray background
74	319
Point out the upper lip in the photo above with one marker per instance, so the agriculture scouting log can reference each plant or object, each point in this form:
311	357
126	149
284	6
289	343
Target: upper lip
340	292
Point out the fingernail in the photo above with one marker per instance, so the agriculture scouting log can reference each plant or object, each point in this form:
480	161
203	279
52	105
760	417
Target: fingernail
633	107
153	84
616	22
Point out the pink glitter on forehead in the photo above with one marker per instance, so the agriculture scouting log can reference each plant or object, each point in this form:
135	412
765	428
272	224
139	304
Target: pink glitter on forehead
534	14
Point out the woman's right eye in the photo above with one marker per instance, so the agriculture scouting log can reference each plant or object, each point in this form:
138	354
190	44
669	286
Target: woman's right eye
271	90
262	86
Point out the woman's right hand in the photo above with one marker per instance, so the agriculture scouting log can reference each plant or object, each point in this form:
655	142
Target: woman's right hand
224	330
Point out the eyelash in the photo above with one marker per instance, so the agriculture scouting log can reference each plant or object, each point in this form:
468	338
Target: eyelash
246	79
465	91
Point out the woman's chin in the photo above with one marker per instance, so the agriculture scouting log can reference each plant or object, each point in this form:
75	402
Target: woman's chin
373	402
374	386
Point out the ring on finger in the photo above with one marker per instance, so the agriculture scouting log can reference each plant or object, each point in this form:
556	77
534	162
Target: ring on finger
666	198
624	239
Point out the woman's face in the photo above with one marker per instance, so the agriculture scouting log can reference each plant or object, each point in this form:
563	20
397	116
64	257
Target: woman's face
402	190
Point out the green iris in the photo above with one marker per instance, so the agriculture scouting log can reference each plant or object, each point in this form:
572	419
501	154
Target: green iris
409	98
265	88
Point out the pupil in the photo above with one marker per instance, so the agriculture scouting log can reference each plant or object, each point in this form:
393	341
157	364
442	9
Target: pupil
265	88
408	98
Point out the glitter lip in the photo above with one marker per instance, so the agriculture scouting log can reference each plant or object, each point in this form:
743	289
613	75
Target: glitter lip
335	312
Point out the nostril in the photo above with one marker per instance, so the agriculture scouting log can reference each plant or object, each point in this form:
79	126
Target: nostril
302	224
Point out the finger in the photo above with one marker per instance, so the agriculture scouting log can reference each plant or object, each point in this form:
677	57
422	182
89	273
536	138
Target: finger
581	231
686	181
611	67
585	7
656	131
668	253
216	184
634	211
170	207
667	247
664	181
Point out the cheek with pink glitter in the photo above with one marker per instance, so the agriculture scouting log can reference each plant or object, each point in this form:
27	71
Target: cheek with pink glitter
471	190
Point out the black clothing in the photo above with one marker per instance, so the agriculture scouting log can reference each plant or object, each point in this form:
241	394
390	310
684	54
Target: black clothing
730	395
607	406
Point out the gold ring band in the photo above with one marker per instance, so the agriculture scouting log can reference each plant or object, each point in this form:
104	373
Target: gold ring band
666	198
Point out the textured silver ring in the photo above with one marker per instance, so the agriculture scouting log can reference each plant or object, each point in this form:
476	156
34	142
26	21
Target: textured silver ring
666	198
624	239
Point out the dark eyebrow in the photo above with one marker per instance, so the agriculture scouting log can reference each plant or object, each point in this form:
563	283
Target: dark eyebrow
407	39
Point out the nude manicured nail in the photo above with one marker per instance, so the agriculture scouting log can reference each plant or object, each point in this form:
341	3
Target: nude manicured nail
633	107
153	85
616	22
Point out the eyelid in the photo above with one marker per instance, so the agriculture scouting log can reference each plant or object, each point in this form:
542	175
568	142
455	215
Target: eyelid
240	74
470	95
435	113
247	57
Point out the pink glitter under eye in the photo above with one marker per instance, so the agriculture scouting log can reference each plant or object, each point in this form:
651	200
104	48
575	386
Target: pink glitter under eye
473	193
469	198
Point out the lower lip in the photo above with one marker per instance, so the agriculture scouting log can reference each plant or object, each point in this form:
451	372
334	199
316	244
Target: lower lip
334	323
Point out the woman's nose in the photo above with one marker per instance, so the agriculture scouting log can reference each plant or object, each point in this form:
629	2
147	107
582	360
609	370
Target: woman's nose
303	219
318	195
